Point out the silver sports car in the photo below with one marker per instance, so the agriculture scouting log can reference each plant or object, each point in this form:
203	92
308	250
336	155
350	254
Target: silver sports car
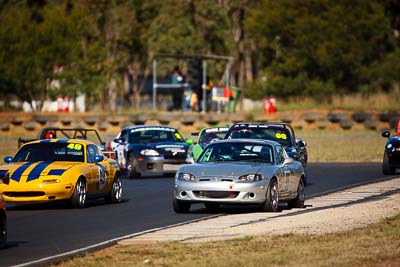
240	171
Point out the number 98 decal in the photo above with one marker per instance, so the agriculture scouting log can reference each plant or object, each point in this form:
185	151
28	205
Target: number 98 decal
281	136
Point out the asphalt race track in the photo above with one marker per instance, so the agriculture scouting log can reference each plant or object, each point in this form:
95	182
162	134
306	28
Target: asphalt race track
44	230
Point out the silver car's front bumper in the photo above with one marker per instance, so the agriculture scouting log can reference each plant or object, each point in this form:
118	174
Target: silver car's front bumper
221	192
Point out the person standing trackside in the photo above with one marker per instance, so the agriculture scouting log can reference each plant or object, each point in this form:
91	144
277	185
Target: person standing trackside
177	79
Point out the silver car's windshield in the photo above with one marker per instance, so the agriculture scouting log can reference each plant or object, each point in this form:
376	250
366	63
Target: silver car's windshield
237	152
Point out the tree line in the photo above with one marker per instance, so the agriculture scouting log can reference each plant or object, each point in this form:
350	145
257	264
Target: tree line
288	48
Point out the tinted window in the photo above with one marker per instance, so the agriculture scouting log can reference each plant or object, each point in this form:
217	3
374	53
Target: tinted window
209	136
280	135
154	135
92	152
237	152
280	155
55	151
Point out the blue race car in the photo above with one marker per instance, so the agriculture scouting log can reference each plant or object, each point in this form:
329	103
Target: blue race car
156	149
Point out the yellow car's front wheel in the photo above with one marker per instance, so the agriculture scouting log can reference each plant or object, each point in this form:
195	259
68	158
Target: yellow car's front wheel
78	199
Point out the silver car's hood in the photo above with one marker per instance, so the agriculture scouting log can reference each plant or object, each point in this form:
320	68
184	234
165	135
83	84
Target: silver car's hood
222	169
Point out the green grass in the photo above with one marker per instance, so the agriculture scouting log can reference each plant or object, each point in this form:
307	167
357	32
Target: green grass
377	102
376	245
343	145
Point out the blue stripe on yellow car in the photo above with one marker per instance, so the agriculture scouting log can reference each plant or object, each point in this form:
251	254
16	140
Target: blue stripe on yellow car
37	170
53	141
56	172
18	172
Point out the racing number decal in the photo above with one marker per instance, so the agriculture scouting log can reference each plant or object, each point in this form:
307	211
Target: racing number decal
281	136
177	135
73	146
101	177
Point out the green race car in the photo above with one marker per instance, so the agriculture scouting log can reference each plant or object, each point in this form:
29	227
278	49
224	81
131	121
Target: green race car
206	136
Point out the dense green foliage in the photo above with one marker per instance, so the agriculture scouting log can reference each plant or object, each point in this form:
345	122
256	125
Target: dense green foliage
287	48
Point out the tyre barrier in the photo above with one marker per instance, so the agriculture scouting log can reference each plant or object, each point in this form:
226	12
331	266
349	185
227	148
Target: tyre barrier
196	121
335	117
312	117
5	126
90	120
346	124
43	119
360	117
371	124
287	118
30	126
322	124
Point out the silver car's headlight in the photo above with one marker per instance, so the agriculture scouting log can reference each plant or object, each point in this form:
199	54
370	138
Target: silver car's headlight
253	177
149	152
186	177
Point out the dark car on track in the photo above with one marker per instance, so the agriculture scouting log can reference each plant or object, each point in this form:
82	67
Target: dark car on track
391	154
151	148
3	222
280	132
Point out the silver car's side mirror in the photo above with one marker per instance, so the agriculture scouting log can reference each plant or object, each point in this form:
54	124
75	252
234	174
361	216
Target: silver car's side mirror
288	161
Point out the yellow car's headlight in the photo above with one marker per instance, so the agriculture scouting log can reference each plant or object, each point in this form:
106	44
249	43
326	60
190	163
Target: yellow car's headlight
51	181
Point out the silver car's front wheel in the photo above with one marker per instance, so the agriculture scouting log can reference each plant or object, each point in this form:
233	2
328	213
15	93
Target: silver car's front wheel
180	206
272	197
78	199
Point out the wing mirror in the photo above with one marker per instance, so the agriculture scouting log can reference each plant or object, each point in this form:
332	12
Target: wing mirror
189	141
301	143
288	161
117	140
98	158
386	134
7	159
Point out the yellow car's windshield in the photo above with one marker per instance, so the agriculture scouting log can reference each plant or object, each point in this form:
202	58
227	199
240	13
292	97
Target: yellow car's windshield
50	151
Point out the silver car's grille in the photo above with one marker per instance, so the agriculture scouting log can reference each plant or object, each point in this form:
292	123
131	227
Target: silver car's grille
216	194
215	179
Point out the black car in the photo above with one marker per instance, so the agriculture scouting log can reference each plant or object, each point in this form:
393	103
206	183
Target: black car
283	133
151	148
391	155
3	221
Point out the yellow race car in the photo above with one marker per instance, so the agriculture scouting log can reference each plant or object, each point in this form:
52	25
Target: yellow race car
60	169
